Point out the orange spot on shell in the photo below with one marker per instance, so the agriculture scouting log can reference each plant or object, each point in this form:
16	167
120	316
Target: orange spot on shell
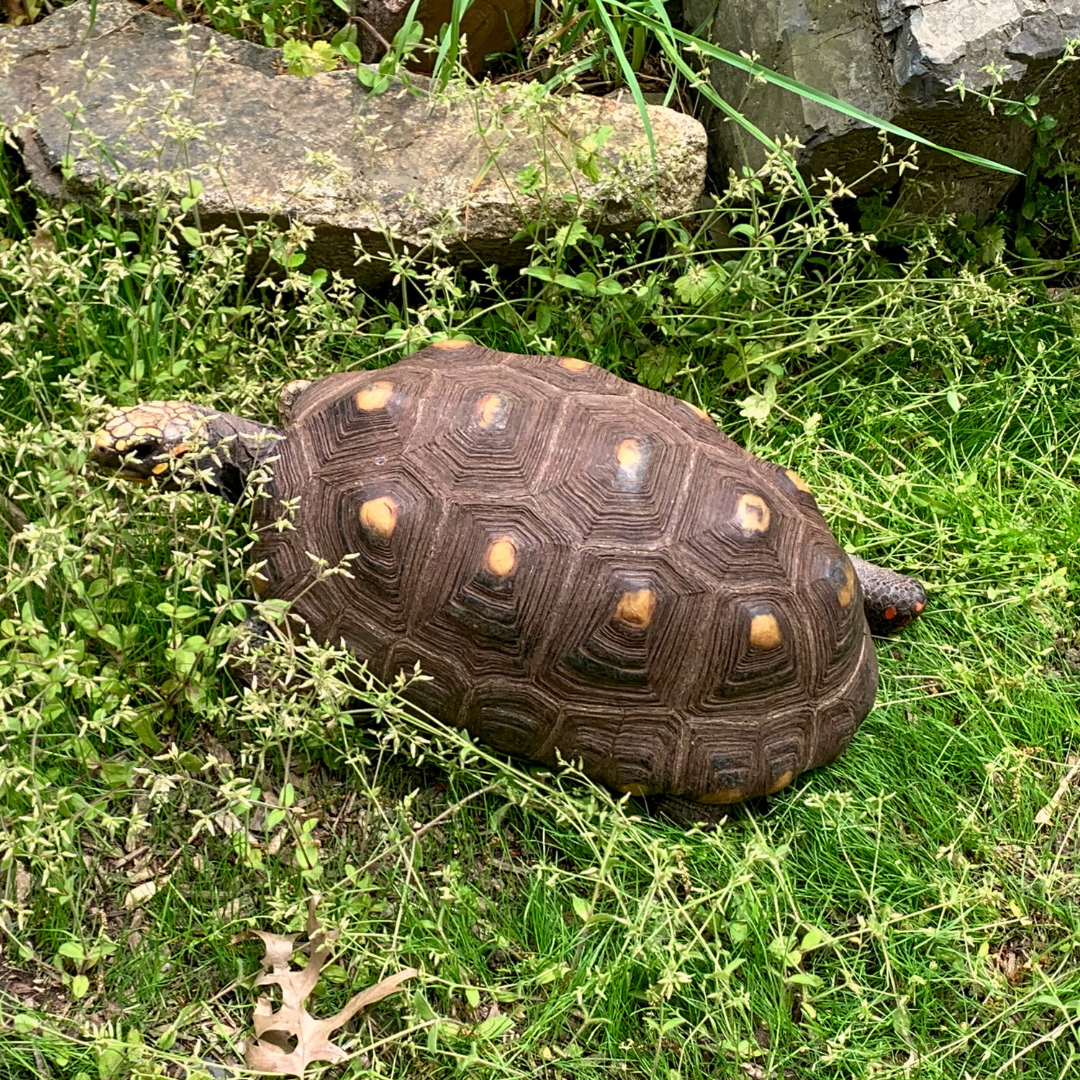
764	632
636	608
919	606
501	557
629	455
752	513
781	781
797	480
374	396
847	590
379	516
701	412
572	363
489	410
451	343
889	613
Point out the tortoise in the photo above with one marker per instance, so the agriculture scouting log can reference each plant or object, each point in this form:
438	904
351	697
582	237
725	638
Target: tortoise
586	568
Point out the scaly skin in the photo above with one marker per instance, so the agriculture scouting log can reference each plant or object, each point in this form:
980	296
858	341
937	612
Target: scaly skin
147	442
890	600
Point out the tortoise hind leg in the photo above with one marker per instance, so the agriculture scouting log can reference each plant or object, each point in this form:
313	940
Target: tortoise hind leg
891	600
686	813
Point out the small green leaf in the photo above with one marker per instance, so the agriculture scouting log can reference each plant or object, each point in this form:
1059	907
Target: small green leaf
110	1063
582	908
79	986
421	1006
345	42
493	1027
758	406
472	996
191	236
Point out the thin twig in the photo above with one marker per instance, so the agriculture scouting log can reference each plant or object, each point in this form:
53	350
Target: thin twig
417	833
361	19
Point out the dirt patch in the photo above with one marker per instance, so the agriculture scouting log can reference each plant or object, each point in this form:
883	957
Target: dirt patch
42	991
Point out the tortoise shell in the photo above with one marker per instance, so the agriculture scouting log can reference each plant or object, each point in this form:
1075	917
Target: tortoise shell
584	567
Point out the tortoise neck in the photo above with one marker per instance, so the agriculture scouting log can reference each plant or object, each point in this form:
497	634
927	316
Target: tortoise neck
236	449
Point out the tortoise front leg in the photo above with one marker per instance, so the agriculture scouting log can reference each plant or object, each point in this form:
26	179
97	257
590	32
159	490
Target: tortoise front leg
242	653
686	813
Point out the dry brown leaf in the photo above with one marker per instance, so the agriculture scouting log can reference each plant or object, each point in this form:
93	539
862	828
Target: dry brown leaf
144	892
23	882
272	1051
1047	813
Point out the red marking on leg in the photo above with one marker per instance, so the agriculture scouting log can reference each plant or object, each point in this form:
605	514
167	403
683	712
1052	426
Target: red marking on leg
890	613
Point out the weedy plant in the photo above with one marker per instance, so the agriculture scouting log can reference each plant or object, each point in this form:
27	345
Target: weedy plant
911	910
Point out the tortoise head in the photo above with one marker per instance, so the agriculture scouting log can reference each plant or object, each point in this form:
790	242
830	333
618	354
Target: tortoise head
180	445
140	443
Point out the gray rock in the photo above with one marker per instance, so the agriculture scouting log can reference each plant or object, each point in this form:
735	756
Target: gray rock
402	171
896	59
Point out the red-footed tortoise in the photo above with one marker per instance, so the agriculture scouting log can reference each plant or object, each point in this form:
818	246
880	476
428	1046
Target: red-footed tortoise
584	567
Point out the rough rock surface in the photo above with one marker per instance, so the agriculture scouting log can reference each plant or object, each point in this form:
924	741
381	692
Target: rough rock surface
399	171
489	26
896	59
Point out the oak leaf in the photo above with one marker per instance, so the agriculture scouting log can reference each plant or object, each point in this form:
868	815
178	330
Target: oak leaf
272	1051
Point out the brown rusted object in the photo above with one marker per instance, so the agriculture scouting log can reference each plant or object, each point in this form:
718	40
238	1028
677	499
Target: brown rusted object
587	569
489	26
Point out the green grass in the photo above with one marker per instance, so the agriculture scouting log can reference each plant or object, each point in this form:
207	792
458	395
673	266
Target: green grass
911	910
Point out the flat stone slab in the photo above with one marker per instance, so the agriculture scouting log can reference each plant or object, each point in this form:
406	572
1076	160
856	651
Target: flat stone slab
139	98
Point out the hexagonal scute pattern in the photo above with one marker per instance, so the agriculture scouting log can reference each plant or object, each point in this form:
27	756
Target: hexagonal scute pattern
588	570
